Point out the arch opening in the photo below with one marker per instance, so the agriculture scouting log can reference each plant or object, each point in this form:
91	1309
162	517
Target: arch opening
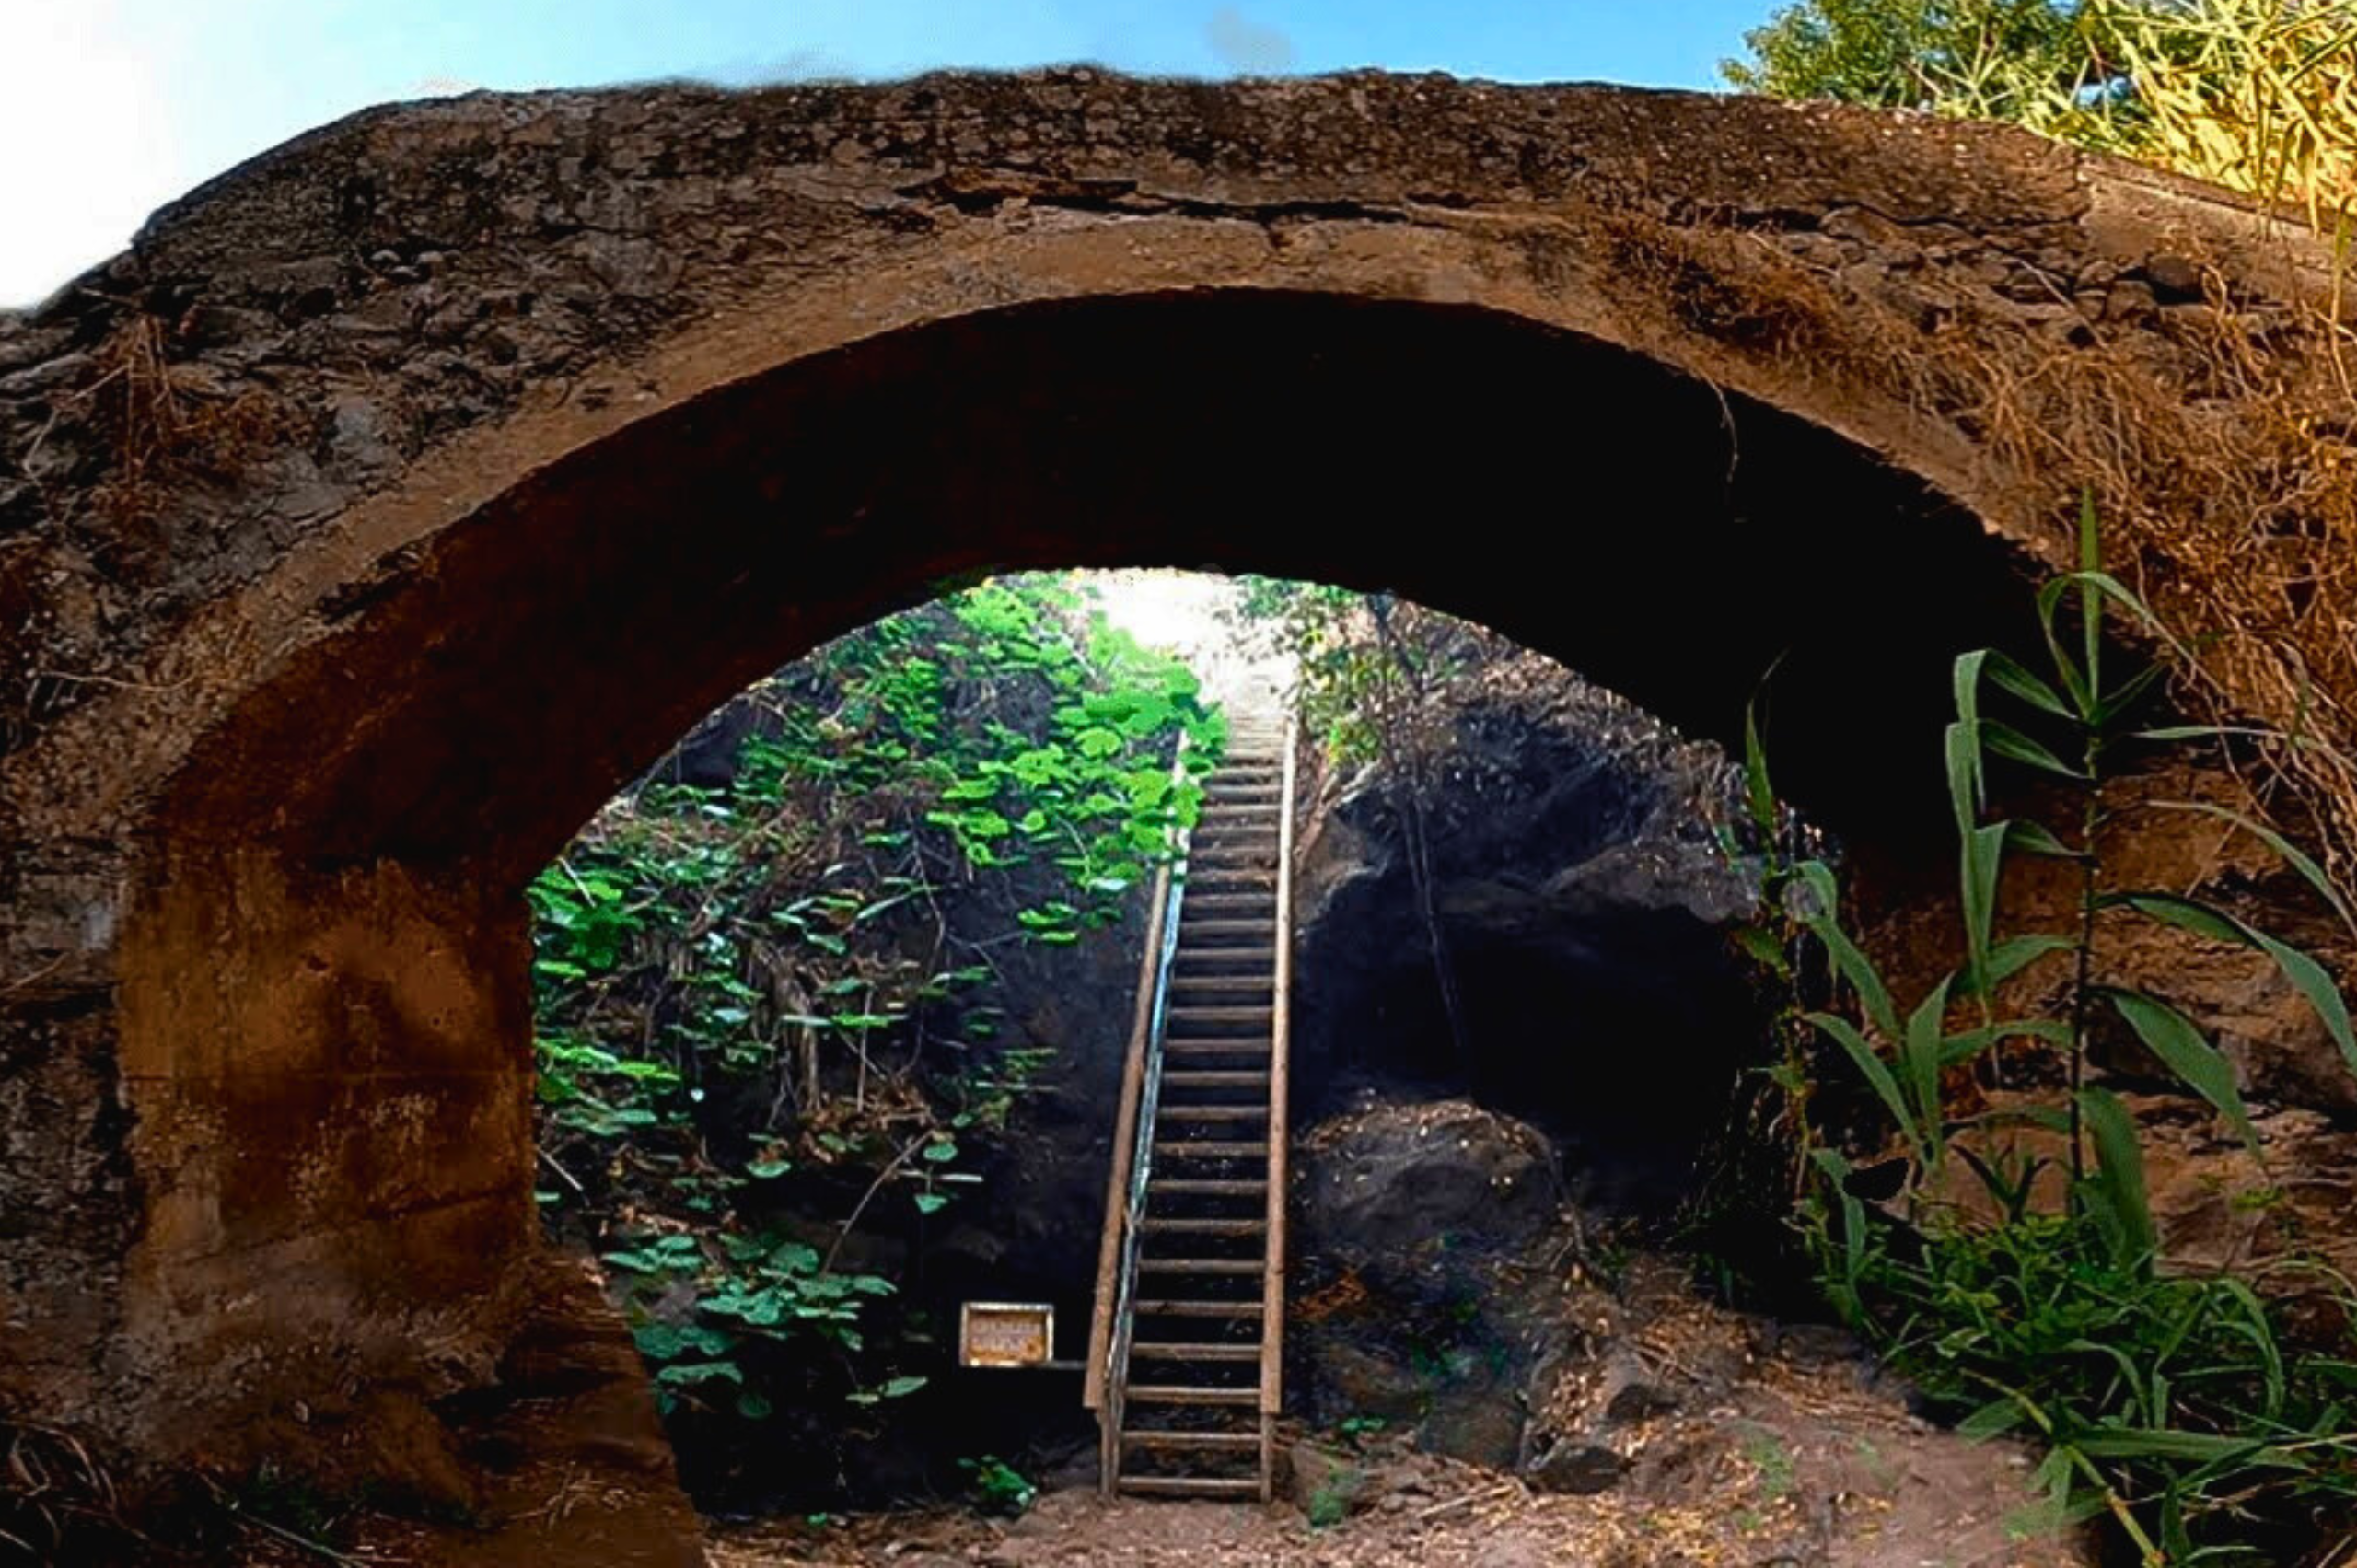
794	1021
326	1005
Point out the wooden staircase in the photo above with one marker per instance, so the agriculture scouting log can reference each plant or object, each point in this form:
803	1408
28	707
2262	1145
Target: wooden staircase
1185	1351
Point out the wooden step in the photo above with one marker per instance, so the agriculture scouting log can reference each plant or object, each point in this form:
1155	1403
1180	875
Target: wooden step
1223	982
1227	900
1213	1112
1161	1350
1225	925
1212	1045
1211	1149
1208	1186
1238	1486
1192	1079
1184	1394
1205	1227
1164	1437
1238	1266
1180	1308
1222	1015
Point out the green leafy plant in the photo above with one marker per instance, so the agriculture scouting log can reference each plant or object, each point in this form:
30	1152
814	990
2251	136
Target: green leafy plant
2166	1402
998	1486
756	996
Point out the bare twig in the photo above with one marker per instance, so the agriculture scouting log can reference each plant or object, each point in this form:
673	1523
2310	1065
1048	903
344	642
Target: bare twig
237	1510
570	1179
899	1160
1468	1500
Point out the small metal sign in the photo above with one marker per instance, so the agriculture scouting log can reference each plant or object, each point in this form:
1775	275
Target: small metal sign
1005	1333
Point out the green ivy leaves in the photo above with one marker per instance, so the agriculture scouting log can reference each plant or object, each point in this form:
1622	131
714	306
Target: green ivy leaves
703	951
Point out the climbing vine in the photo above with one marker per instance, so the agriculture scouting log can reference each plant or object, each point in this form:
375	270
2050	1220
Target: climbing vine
770	976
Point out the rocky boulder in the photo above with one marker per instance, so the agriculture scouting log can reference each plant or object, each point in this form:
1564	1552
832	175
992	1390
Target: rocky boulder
1415	1228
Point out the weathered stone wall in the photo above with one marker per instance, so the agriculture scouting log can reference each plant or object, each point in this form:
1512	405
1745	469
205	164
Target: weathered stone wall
400	494
331	1080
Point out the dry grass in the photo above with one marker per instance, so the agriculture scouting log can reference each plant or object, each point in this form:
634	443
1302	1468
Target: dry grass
165	429
53	1492
2219	448
2227	478
2259	96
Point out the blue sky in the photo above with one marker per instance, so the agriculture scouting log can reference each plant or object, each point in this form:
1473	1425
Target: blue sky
109	108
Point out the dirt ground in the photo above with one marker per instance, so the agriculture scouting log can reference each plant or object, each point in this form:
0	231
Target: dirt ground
1461	1518
1766	1449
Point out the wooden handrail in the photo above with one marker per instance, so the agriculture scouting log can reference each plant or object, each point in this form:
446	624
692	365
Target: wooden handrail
1125	1121
1273	1301
1125	1132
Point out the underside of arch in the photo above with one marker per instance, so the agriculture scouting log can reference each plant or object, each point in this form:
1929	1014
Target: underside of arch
1672	539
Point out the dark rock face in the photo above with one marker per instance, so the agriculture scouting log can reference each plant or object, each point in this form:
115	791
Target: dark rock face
1580	904
1444	1300
1578	1468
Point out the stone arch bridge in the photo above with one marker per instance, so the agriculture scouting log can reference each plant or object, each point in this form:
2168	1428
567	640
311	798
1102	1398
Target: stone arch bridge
401	493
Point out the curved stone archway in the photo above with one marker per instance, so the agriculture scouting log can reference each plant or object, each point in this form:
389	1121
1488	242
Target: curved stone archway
402	493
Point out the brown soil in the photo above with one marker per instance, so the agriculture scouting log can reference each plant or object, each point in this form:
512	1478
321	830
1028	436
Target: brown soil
1905	1508
1765	1448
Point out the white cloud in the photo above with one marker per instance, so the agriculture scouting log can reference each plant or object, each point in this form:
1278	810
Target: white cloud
441	87
87	147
